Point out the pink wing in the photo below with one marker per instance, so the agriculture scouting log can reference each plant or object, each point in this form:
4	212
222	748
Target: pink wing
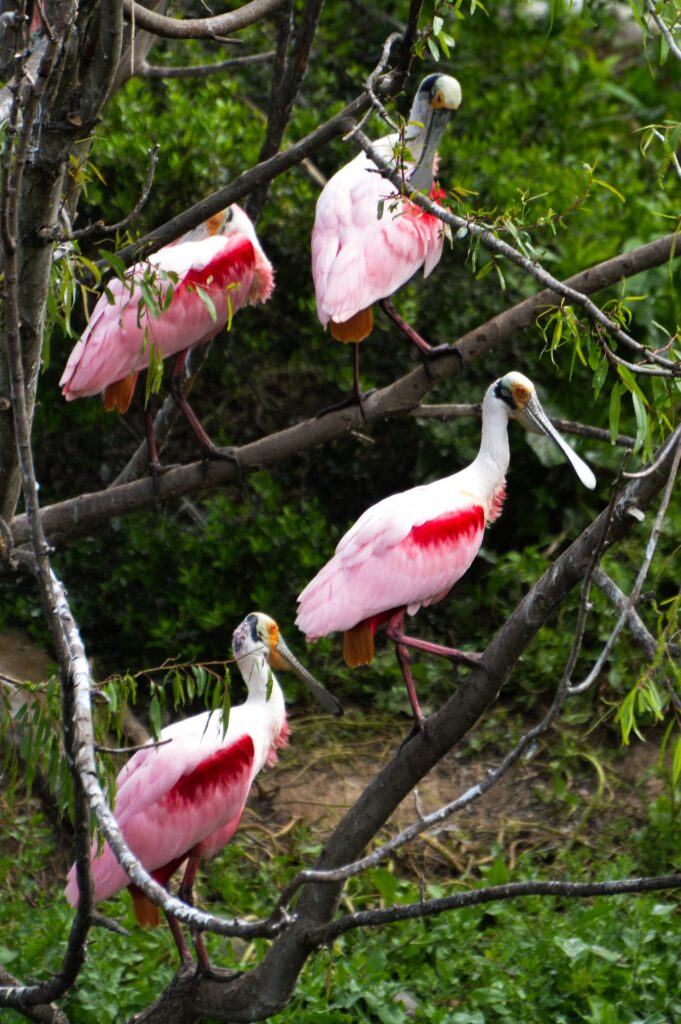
120	336
357	258
406	551
175	799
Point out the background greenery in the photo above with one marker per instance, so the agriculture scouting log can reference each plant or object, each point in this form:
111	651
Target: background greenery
548	103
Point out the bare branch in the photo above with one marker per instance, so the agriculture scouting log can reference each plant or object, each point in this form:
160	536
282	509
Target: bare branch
40	1014
287	75
634	622
203	70
428	908
663	367
446	412
100	228
675	440
664	29
216	27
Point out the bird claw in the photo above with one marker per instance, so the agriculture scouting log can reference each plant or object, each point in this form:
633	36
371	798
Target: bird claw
224	455
355	398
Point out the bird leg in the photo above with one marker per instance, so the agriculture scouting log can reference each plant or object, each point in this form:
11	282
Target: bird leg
427	350
395	632
403	658
177	391
357	397
186	894
176	929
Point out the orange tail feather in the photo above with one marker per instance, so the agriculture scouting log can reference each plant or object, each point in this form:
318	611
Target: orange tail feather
357	328
147	913
118	396
358	645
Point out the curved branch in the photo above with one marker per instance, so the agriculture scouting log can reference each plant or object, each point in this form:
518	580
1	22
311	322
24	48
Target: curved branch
199	28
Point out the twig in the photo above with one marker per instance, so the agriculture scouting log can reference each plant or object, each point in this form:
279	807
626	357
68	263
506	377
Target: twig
662	25
203	70
56	234
643	571
675	159
328	933
635	623
446	412
666	367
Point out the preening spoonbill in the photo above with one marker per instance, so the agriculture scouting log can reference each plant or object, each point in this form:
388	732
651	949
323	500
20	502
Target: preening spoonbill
366	243
177	298
182	801
411	548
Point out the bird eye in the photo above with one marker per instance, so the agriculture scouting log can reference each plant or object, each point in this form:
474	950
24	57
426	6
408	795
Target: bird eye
229	213
521	394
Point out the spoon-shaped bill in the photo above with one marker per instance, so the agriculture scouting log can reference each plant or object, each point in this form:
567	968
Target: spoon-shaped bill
325	700
534	418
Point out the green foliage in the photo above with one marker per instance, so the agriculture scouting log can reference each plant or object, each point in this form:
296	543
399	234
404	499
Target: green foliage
574	962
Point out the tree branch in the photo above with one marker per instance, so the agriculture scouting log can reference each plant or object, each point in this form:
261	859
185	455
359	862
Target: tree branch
75	517
266	989
662	366
326	934
264	172
202	70
199	28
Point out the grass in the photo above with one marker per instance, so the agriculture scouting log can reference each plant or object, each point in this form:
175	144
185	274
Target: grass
601	961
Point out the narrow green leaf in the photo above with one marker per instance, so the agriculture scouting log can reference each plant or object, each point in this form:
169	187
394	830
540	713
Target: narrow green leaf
615	402
207	301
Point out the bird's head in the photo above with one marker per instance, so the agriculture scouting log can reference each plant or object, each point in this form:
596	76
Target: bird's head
258	634
436	99
517	395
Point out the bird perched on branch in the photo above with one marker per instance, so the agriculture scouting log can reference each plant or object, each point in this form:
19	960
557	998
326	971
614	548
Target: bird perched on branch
175	299
182	800
366	241
411	548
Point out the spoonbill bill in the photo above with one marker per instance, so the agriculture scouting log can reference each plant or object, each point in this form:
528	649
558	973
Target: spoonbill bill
410	549
366	241
175	299
182	800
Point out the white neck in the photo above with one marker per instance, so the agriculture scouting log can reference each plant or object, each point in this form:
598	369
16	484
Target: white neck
491	462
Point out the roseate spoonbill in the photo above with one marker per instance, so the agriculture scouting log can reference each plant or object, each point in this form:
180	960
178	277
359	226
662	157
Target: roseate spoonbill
182	800
177	298
363	249
411	548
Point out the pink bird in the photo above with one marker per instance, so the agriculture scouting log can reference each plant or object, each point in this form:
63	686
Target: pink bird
177	298
411	548
182	800
367	242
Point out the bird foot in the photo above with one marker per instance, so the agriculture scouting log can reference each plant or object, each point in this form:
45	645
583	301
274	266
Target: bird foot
419	728
436	351
224	455
470	658
355	398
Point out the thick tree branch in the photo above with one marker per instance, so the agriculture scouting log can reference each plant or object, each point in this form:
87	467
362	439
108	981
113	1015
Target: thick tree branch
265	990
265	171
218	26
78	516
